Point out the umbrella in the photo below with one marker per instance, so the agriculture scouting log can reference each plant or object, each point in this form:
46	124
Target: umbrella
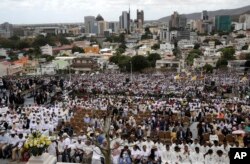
238	132
247	129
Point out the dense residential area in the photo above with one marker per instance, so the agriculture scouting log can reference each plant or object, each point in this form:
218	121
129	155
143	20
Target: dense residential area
221	41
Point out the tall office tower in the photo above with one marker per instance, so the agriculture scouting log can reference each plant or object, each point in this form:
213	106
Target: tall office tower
140	18
177	21
223	23
204	15
89	22
124	21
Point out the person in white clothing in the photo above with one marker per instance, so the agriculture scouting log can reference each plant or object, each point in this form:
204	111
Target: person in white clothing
135	154
197	156
185	156
220	158
60	149
209	157
97	155
176	158
167	155
144	154
52	147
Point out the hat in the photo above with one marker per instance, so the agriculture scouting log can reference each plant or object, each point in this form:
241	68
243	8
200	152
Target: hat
154	147
12	132
52	138
65	135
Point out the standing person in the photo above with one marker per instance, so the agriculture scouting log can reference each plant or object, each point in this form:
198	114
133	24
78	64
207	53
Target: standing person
60	149
97	155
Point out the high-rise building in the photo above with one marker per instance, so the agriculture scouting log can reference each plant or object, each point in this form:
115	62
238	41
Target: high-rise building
164	34
173	22
125	21
6	30
182	21
204	15
102	26
178	21
223	23
140	18
245	19
89	22
114	26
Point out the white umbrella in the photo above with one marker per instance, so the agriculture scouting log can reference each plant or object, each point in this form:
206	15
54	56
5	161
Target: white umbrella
239	132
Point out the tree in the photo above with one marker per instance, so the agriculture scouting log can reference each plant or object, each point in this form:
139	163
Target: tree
13	56
241	36
208	68
14	38
121	60
195	53
228	53
23	44
196	46
63	40
139	63
156	46
7	43
221	63
245	47
247	65
48	58
147	34
123	46
114	59
77	49
152	58
217	42
39	41
120	51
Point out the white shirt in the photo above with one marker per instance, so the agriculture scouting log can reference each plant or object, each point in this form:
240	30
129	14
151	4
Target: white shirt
14	140
197	158
66	142
167	156
79	145
97	154
221	160
135	154
61	146
209	159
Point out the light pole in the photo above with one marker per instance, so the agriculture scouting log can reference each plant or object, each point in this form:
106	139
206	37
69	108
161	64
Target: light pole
131	72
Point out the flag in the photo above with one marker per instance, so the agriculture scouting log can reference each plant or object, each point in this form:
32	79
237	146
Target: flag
244	79
177	77
194	78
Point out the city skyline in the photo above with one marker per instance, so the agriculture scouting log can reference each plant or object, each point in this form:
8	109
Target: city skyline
64	11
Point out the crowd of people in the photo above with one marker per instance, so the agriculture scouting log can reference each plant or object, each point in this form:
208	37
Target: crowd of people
128	116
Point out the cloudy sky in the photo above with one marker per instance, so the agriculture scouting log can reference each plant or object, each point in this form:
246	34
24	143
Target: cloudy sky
57	11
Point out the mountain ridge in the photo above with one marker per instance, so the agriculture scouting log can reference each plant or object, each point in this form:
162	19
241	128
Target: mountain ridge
197	15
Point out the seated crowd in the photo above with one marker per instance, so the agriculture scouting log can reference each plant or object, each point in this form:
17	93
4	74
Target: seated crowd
145	125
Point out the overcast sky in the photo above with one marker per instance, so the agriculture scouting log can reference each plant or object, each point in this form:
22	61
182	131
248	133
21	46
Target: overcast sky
58	11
